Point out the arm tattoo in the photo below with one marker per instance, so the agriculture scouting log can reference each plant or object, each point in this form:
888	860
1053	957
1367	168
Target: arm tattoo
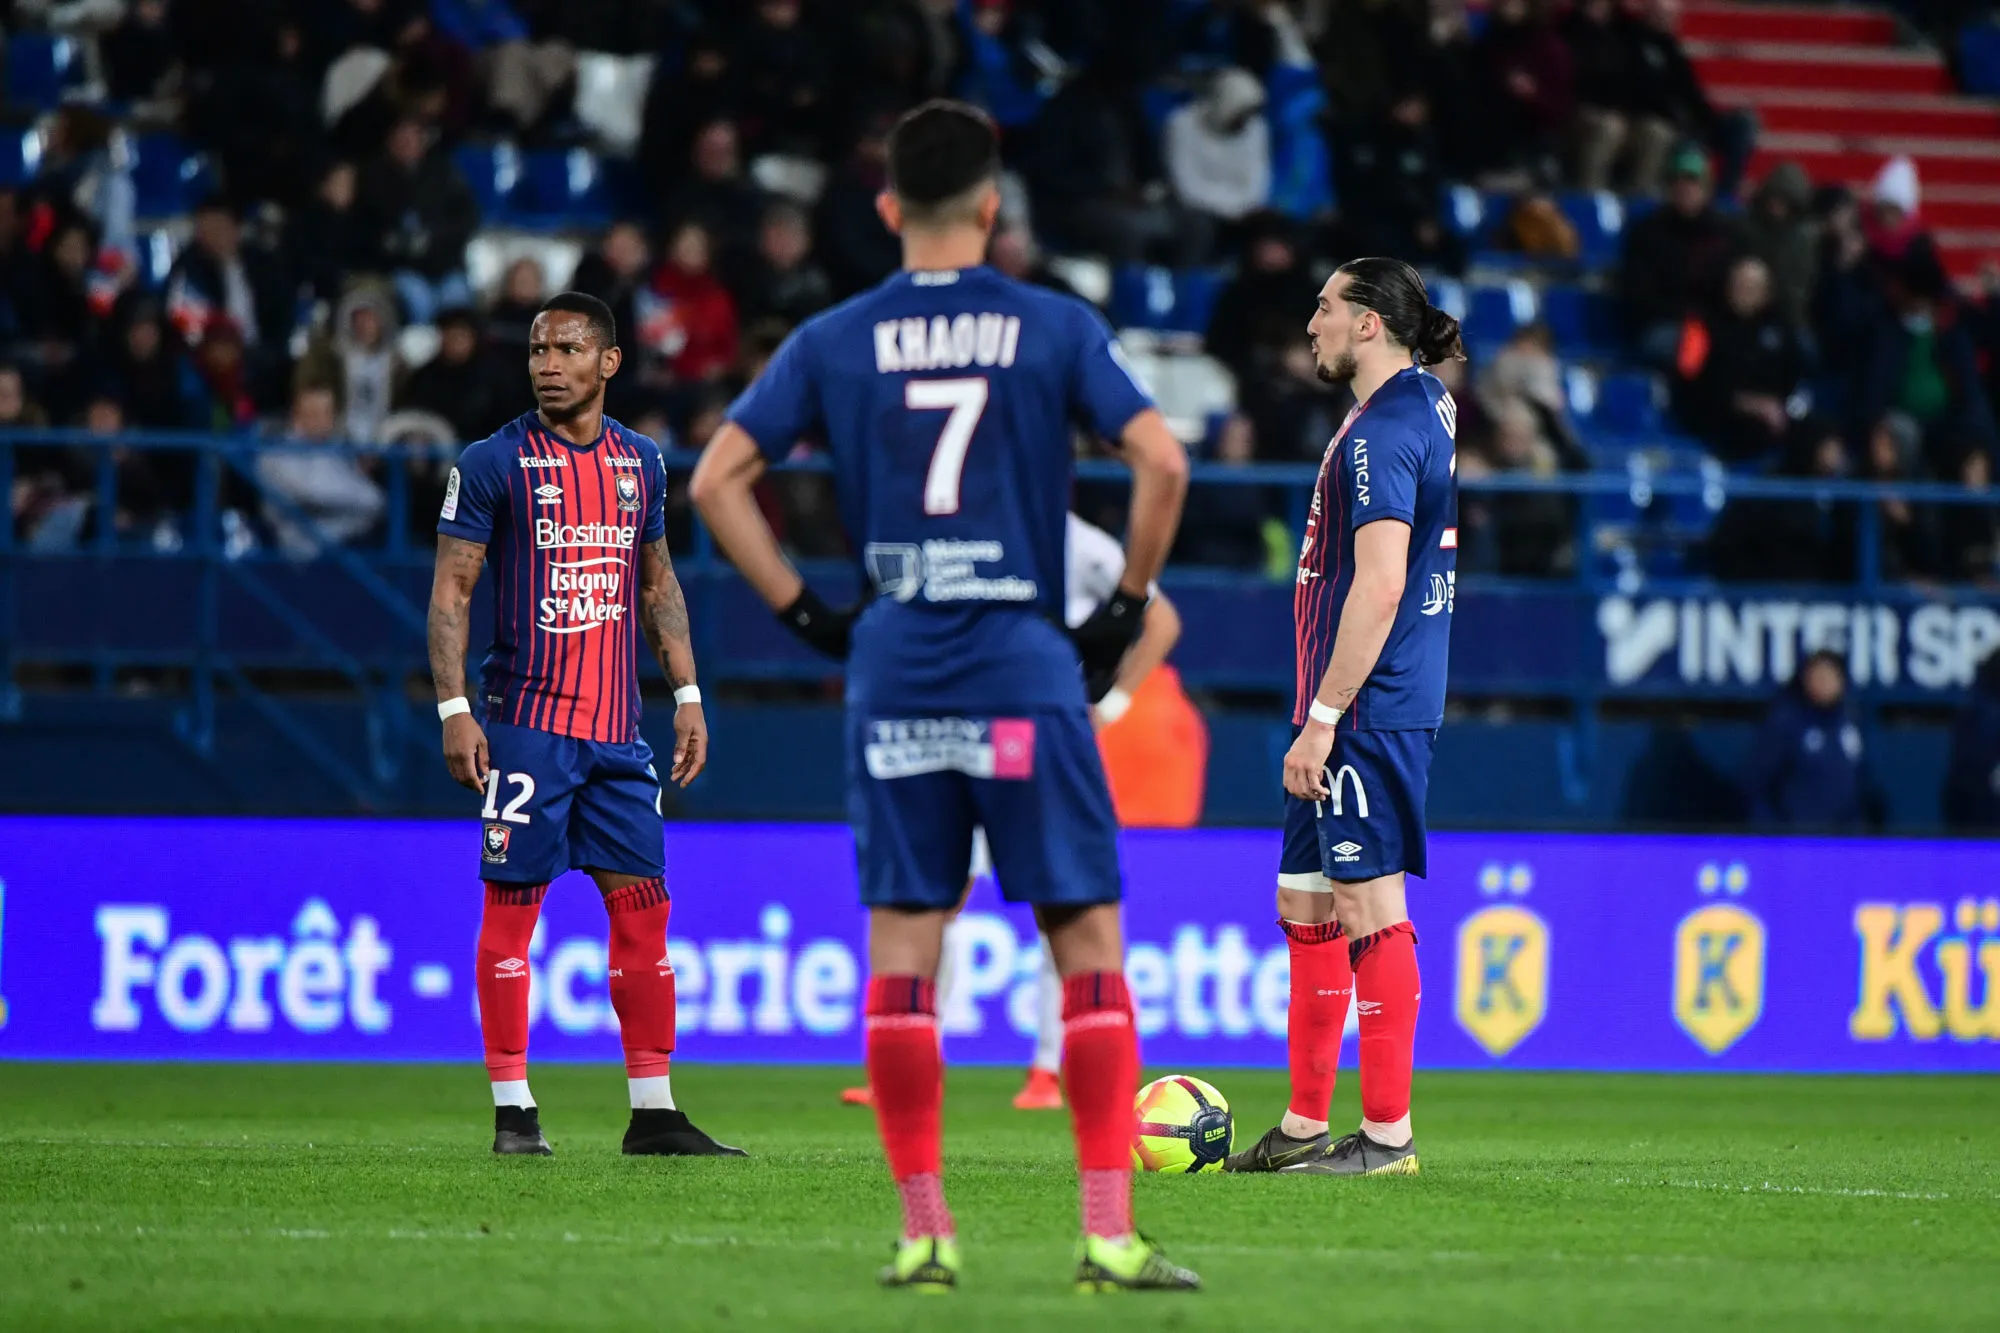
447	625
664	615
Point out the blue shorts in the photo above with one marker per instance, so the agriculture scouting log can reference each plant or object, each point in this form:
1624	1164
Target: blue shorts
919	784
556	803
1372	823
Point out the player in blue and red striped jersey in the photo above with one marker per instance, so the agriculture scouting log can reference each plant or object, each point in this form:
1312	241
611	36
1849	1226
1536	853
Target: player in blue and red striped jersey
570	507
1373	603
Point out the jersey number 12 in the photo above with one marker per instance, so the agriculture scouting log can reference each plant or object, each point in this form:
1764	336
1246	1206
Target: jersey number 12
966	400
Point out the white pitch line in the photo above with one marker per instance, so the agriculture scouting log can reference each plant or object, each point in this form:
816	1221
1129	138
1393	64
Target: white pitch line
1767	1187
1446	1256
239	1146
408	1234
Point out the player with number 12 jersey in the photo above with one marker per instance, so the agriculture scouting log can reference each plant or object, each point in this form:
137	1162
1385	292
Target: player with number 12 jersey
570	506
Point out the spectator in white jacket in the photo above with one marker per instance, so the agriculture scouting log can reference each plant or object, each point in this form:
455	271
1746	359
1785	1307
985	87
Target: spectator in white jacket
326	488
1218	150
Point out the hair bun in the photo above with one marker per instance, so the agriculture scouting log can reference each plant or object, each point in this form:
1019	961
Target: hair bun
1438	339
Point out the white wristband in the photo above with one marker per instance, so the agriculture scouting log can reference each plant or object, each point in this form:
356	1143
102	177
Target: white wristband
687	694
1113	705
1319	712
453	707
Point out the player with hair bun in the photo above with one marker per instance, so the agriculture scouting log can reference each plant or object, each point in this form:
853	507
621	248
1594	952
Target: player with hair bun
1373	602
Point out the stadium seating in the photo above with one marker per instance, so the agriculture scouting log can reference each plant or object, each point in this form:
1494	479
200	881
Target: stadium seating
20	154
489	253
493	170
611	97
41	67
1585	323
168	176
1150	297
1835	92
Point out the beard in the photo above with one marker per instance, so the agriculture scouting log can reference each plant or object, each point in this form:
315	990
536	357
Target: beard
580	402
1342	371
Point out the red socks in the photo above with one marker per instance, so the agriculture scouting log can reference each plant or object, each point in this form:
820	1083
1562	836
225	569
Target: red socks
642	980
501	973
1387	990
1322	985
1101	1076
906	1070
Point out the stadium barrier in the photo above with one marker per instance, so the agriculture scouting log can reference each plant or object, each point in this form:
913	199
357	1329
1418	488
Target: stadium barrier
198	592
180	939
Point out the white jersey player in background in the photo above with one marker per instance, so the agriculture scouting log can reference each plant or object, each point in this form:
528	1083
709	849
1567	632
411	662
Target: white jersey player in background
1093	563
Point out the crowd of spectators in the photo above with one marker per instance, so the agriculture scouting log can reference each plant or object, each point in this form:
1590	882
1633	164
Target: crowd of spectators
1267	138
1814	334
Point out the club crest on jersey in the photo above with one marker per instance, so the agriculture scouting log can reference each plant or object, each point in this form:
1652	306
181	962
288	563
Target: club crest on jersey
628	492
548	493
493	849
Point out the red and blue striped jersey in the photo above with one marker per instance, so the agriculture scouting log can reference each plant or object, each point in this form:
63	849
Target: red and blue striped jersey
1392	458
562	524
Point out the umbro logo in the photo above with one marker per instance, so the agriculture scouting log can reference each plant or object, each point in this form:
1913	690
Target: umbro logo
666	965
1346	851
510	967
548	494
1367	1007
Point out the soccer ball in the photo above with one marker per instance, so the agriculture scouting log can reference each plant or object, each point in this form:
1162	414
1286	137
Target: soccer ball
1184	1125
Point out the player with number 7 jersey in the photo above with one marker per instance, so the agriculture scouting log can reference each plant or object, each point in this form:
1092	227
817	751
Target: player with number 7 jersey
946	398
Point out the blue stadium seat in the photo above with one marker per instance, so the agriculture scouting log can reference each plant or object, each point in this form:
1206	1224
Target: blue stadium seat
1626	403
1493	313
20	155
1599	218
167	176
1582	321
494	173
1149	297
1466	211
40	66
565	187
1157	102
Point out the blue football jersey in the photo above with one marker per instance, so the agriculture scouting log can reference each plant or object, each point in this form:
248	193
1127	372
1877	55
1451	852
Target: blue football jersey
946	399
1393	458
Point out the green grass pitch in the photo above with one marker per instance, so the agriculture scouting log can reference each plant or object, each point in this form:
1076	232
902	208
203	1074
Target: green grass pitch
300	1197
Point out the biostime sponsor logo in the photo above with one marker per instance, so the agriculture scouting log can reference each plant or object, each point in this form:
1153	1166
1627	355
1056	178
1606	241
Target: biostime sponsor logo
553	535
585	594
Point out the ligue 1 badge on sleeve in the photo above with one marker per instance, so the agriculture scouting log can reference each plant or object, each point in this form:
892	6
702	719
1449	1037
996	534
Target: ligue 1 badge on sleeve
628	491
494	850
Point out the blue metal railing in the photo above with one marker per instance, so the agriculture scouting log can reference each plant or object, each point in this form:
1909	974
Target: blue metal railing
387	572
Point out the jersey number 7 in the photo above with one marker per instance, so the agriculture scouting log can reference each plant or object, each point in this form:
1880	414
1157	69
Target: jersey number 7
966	400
